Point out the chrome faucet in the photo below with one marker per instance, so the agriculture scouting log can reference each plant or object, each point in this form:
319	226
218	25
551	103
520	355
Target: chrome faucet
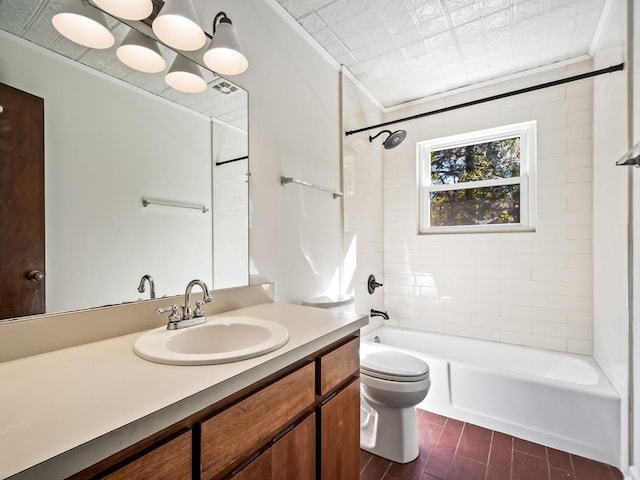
186	308
188	317
152	286
379	313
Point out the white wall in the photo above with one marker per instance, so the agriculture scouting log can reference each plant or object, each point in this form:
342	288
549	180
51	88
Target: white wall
635	268
294	119
363	199
610	214
294	130
230	204
522	288
106	146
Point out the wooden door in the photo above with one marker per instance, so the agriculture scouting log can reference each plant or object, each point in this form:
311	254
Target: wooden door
340	435
22	227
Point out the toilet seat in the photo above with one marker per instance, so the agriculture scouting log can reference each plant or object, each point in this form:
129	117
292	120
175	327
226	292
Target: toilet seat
394	366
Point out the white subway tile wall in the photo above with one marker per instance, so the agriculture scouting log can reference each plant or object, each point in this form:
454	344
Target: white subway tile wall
532	288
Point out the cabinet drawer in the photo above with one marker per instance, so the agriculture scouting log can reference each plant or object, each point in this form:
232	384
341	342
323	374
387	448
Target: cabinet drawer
244	427
171	461
338	365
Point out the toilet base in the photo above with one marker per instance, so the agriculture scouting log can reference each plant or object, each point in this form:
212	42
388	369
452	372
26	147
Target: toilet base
391	433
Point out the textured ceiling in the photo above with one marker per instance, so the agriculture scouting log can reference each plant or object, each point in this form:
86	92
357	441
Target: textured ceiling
402	50
31	20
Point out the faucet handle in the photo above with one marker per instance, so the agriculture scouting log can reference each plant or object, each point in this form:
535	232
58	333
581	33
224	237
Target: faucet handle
372	284
199	311
174	316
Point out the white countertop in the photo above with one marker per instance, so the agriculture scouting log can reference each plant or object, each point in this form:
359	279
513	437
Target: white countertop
65	410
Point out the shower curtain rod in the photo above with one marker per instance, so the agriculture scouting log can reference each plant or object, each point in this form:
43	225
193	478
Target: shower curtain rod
582	76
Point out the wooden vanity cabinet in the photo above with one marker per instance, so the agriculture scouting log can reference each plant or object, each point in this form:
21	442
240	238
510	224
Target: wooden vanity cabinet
326	445
302	423
260	468
337	366
292	457
169	461
340	435
339	413
243	428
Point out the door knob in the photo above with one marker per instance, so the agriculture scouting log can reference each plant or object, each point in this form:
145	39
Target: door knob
35	276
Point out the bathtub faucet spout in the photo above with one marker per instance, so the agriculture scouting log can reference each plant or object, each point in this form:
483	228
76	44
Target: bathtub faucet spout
378	313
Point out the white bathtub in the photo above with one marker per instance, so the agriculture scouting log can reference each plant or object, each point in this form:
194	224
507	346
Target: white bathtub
555	399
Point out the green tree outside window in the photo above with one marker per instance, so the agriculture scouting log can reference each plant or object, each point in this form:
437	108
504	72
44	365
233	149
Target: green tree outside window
471	163
482	181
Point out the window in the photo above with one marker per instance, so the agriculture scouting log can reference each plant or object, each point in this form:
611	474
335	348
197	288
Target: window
478	182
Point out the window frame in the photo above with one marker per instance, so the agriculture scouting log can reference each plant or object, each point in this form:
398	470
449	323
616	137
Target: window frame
527	179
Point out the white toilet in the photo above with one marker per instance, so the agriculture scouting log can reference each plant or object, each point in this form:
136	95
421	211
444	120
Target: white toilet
391	385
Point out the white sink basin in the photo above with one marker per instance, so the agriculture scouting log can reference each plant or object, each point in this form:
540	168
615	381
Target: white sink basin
219	340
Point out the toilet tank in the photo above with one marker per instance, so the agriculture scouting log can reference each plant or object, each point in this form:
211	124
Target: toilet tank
338	302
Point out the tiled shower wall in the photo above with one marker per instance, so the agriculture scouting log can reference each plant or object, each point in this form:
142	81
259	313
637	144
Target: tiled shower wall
522	288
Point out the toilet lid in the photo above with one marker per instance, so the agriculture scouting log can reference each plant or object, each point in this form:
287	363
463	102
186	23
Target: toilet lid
391	365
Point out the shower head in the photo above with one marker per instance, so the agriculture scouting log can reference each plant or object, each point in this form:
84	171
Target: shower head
393	140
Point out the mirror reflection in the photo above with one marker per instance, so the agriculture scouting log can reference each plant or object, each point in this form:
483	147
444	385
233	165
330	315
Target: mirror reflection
113	136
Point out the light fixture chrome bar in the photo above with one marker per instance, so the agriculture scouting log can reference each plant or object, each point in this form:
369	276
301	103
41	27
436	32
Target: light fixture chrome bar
286	180
166	203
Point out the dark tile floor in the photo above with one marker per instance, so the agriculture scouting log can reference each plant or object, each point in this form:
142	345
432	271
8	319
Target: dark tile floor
453	450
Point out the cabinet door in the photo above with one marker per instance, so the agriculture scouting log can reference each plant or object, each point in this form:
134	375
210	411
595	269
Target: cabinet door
340	435
242	429
259	469
294	455
171	461
291	457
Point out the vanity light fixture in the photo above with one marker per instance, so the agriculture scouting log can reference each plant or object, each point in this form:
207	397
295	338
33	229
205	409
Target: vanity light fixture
224	55
184	75
127	9
177	25
83	24
141	53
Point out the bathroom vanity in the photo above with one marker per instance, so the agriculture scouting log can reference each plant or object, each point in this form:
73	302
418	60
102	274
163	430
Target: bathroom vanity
99	411
271	426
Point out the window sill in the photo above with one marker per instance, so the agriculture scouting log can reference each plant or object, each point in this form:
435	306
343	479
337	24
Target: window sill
477	229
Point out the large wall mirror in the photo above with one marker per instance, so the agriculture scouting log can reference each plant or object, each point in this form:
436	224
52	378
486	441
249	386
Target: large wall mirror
114	137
